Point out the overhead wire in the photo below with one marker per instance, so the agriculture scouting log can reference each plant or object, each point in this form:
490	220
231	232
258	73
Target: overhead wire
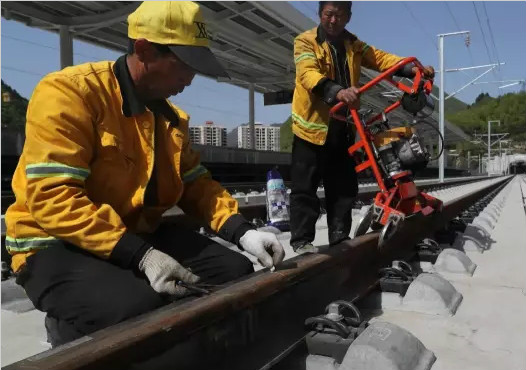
22	70
14	69
492	39
458	29
42	45
88	56
181	103
464	73
311	10
482	31
452	16
420	25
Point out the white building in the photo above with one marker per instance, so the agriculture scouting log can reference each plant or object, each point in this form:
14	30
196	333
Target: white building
267	137
208	134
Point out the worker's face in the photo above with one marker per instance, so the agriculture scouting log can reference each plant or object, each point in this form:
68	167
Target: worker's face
333	19
165	74
170	76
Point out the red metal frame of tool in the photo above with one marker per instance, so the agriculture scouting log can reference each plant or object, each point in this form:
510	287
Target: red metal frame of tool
404	198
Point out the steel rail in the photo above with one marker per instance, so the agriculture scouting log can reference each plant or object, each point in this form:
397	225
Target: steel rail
249	321
257	209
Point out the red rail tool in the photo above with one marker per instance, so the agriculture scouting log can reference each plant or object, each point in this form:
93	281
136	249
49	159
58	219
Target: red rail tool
392	154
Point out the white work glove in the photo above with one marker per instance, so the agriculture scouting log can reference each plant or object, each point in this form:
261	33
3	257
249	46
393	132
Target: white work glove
262	245
164	272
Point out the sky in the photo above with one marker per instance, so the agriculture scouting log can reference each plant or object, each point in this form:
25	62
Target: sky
403	28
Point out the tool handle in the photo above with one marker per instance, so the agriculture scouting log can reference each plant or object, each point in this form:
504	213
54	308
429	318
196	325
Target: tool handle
386	75
193	288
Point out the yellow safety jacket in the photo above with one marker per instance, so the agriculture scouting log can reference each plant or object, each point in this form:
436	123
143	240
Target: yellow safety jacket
312	56
87	162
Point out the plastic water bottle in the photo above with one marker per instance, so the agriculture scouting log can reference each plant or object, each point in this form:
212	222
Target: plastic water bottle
278	206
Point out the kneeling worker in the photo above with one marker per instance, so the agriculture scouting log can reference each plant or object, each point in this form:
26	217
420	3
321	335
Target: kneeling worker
106	154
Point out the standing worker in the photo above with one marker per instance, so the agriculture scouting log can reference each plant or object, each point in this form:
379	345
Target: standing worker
328	60
106	154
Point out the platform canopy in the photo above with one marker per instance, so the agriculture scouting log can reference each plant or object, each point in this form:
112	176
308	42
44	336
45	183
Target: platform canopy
252	39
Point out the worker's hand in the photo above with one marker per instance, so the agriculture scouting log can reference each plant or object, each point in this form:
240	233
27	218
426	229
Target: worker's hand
429	71
263	245
350	97
163	272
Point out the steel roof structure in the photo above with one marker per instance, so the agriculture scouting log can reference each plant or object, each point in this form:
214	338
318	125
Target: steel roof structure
252	39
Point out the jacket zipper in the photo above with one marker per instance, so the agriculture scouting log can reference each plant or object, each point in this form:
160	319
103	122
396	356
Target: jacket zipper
338	65
333	55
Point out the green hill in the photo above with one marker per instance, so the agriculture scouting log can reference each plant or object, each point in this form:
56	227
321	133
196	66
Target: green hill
509	109
453	104
14	108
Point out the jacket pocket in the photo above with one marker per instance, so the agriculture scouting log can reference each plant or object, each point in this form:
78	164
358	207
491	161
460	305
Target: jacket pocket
325	62
176	139
113	150
326	68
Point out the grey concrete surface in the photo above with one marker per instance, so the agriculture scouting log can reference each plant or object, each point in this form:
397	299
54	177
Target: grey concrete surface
454	261
488	329
386	346
432	294
429	293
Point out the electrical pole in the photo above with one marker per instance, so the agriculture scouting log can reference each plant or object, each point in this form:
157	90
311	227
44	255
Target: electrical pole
499	136
251	117
441	110
441	100
489	146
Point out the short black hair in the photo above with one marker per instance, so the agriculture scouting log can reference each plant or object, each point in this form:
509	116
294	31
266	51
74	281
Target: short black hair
163	49
347	5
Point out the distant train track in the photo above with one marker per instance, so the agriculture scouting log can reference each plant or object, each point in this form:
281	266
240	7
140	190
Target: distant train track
8	196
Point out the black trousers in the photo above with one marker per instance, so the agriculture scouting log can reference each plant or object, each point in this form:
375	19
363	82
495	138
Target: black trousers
82	293
332	164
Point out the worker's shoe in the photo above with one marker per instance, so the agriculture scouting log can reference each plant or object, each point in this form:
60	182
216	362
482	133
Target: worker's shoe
305	248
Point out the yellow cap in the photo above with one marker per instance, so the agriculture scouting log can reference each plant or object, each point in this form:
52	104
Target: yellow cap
181	26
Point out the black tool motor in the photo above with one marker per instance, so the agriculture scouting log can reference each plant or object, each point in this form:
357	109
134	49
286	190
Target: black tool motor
412	153
406	153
